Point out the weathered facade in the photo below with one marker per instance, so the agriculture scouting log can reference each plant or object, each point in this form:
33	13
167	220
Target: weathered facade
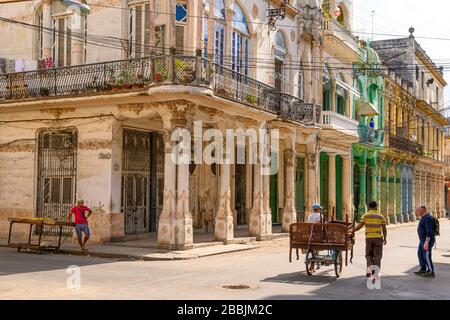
413	164
99	125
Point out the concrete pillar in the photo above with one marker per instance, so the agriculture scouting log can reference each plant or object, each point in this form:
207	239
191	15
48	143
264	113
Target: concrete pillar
333	96
224	227
362	208
257	215
290	213
346	186
311	182
229	13
211	29
166	236
48	25
331	183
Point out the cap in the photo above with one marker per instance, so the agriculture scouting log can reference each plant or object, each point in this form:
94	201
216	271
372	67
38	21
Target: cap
81	201
317	206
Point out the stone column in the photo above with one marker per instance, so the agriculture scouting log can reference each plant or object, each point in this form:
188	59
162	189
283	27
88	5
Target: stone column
362	208
48	25
166	236
346	186
311	184
257	215
224	227
290	213
229	13
331	184
373	181
398	193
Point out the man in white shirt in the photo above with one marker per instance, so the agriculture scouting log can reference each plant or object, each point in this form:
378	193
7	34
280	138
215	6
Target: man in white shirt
316	216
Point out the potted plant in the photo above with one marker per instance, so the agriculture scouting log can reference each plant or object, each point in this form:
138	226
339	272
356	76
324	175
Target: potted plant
251	99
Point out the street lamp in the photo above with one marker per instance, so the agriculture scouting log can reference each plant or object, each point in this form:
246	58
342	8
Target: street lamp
276	14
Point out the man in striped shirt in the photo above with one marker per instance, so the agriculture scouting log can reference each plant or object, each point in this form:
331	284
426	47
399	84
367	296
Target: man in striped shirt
376	236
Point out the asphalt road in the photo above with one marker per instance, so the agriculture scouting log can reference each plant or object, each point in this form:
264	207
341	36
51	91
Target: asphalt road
265	271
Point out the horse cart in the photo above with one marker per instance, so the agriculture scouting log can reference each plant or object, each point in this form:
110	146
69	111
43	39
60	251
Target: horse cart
323	243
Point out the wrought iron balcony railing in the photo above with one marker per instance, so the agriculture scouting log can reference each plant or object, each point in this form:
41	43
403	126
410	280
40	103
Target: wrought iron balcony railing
133	74
407	145
370	136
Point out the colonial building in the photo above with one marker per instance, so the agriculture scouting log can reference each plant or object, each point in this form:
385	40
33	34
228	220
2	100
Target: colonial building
339	124
369	111
413	164
117	79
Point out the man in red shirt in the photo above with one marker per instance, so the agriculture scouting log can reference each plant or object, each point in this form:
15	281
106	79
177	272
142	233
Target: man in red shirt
81	223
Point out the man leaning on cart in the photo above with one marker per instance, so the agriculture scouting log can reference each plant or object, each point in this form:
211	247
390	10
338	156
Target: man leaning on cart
81	223
376	237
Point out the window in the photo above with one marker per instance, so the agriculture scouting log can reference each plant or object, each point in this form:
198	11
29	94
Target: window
218	25
326	89
341	95
301	82
280	56
181	12
62	41
39	22
240	41
139	31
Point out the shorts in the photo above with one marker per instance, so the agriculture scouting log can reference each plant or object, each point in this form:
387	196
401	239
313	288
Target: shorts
80	228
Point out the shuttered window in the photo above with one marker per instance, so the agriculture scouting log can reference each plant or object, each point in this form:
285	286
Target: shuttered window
179	39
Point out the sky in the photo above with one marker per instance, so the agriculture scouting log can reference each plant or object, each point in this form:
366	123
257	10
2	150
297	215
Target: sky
395	17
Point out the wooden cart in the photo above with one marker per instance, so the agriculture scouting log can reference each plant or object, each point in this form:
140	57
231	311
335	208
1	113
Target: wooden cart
334	237
39	223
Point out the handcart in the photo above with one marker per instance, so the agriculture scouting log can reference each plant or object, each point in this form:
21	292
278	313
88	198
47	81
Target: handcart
335	238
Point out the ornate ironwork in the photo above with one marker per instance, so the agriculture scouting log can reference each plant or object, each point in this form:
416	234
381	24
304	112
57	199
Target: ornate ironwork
56	176
136	74
276	14
407	145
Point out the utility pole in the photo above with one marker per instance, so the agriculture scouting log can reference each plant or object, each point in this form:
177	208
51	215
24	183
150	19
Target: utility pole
373	14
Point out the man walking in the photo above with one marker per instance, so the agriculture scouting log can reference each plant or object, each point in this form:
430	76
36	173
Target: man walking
376	237
81	223
427	240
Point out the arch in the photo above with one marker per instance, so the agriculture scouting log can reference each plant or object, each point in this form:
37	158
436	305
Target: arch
240	19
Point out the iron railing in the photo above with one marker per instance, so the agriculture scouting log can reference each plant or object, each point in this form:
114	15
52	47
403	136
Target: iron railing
407	145
133	74
370	136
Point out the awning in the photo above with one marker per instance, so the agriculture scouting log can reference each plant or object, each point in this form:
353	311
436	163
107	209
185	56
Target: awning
366	109
82	6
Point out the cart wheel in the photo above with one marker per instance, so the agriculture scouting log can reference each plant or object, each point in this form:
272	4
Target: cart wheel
309	264
338	263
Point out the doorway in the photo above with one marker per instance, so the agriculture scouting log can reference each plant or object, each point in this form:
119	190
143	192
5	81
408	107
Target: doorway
142	180
240	194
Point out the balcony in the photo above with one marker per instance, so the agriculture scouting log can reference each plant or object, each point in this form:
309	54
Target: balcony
332	121
340	39
138	74
370	136
404	144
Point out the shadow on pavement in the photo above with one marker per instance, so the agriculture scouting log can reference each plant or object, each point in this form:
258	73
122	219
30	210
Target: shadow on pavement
399	287
13	262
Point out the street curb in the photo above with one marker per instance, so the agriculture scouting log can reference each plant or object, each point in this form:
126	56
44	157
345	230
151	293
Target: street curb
131	257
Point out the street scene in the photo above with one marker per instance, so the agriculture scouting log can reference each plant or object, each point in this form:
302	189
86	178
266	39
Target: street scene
263	273
224	149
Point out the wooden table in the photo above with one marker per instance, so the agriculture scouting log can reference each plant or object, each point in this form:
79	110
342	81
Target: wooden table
37	222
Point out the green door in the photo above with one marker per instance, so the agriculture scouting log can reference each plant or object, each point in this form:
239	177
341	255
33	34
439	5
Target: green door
300	184
339	215
324	171
274	192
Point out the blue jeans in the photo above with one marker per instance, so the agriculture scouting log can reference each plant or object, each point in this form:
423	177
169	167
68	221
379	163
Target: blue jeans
425	260
80	228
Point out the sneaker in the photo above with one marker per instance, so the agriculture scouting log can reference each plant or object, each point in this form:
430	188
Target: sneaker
429	275
420	273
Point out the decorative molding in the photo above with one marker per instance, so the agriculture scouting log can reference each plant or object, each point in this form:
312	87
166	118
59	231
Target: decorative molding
57	112
12	148
95	144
